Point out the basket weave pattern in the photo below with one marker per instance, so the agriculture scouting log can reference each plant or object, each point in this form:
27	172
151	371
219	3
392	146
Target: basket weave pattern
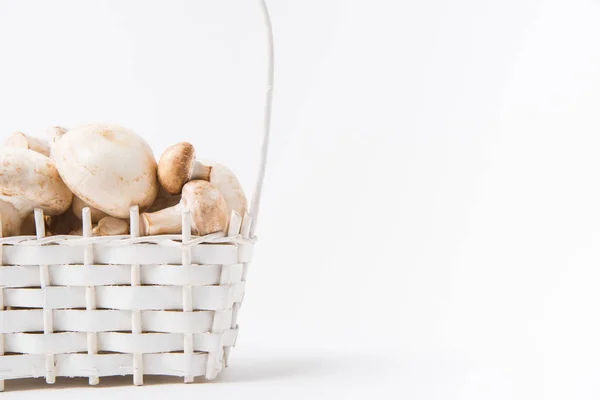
121	305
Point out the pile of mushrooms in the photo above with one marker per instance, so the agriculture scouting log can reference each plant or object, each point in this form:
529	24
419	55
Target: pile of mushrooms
109	169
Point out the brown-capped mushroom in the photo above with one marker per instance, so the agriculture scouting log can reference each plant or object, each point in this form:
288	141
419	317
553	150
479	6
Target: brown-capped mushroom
30	180
207	207
178	165
19	139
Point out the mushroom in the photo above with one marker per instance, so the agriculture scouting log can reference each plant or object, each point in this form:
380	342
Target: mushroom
178	165
54	134
108	167
111	226
19	139
11	220
206	205
29	180
107	226
59	222
77	232
79	205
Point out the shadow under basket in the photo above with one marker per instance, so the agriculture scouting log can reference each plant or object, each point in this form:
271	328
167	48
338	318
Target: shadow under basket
87	306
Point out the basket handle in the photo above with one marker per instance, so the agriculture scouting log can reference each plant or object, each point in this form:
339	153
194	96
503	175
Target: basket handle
255	204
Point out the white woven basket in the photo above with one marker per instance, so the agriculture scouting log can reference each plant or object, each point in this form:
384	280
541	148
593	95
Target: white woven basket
73	306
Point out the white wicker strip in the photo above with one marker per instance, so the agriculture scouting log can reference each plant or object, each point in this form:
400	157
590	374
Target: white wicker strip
15	321
127	297
123	254
83	365
121	342
103	275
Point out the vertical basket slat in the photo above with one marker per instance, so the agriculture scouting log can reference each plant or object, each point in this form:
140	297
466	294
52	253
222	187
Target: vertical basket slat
245	226
40	232
90	291
1	306
187	305
136	315
235	226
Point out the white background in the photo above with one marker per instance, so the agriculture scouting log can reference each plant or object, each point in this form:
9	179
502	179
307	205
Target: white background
431	219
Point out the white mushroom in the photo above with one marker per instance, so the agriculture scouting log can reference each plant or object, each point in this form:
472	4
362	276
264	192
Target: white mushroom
19	139
29	180
54	134
78	205
207	207
178	165
111	226
61	223
108	167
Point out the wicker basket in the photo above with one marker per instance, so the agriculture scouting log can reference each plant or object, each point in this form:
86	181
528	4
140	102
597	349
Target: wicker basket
74	306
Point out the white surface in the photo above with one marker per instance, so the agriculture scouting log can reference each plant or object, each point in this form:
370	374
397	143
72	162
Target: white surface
442	157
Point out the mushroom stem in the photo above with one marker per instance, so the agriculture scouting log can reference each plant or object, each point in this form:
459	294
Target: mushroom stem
206	205
200	171
164	221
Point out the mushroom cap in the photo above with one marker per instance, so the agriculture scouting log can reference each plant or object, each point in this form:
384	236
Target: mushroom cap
175	166
78	205
29	180
230	187
108	167
19	139
207	207
54	134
